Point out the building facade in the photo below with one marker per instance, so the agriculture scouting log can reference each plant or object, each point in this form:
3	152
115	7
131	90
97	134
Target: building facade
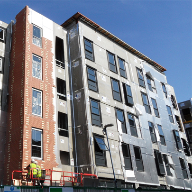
67	82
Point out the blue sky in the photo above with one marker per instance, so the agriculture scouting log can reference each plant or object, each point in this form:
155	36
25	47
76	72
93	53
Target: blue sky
160	29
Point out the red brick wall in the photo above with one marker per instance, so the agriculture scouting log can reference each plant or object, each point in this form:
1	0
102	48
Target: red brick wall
20	118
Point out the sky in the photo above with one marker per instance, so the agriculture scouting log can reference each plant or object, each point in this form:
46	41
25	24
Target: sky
160	29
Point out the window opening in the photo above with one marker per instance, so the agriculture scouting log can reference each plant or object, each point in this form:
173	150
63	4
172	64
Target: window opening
178	122
92	80
89	49
112	63
170	114
37	102
95	113
37	67
120	117
159	163
186	147
128	95
61	89
174	103
59	53
127	156
177	139
155	107
63	124
36	143
1	34
146	103
140	77
132	124
151	84
190	168
187	114
37	36
183	168
1	65
161	134
164	90
189	134
152	132
65	158
167	165
116	90
138	158
122	68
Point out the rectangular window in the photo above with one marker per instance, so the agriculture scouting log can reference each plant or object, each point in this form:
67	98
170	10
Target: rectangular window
189	134
2	34
95	113
140	77
177	140
37	67
37	102
37	36
37	142
159	163
122	67
178	122
100	148
161	134
112	63
138	159
151	84
61	89
190	168
88	49
120	117
127	156
152	132
183	168
155	107
116	90
59	52
164	90
92	79
170	114
65	157
1	65
186	147
128	95
132	124
63	124
146	103
167	165
174	103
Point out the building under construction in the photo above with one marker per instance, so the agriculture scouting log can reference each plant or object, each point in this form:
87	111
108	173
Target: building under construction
61	84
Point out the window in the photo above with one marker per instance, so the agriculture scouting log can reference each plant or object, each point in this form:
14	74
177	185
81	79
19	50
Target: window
116	90
186	147
59	52
120	117
164	89
170	114
174	103
187	114
37	67
128	95
177	139
159	163
132	124
100	149
183	168
189	134
1	34
138	158
167	165
1	65
89	49
146	103
37	102
155	107
127	156
37	36
36	143
140	77
112	64
190	168
122	67
61	89
151	84
63	124
161	134
92	80
95	113
178	122
65	158
152	132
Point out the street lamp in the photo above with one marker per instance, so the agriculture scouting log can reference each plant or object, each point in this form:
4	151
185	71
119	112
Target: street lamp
105	133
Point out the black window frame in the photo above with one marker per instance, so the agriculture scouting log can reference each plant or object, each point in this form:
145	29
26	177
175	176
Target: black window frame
123	124
63	124
155	108
3	34
178	121
139	161
177	140
170	114
164	89
92	58
132	124
61	89
152	132
183	168
147	106
94	114
128	95
122	71
100	152
174	103
161	135
59	52
150	85
114	91
167	165
126	156
91	82
109	63
141	80
159	163
186	147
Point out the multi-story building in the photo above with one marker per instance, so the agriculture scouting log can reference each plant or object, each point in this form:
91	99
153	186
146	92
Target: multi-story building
67	82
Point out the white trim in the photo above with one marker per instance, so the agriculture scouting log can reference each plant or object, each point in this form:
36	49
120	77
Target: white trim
41	34
41	66
33	89
3	34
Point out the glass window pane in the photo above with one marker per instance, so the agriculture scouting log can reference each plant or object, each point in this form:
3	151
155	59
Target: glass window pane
145	100
154	103
128	88
36	32
120	115
160	130
94	104
137	153
115	85
121	64
111	58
